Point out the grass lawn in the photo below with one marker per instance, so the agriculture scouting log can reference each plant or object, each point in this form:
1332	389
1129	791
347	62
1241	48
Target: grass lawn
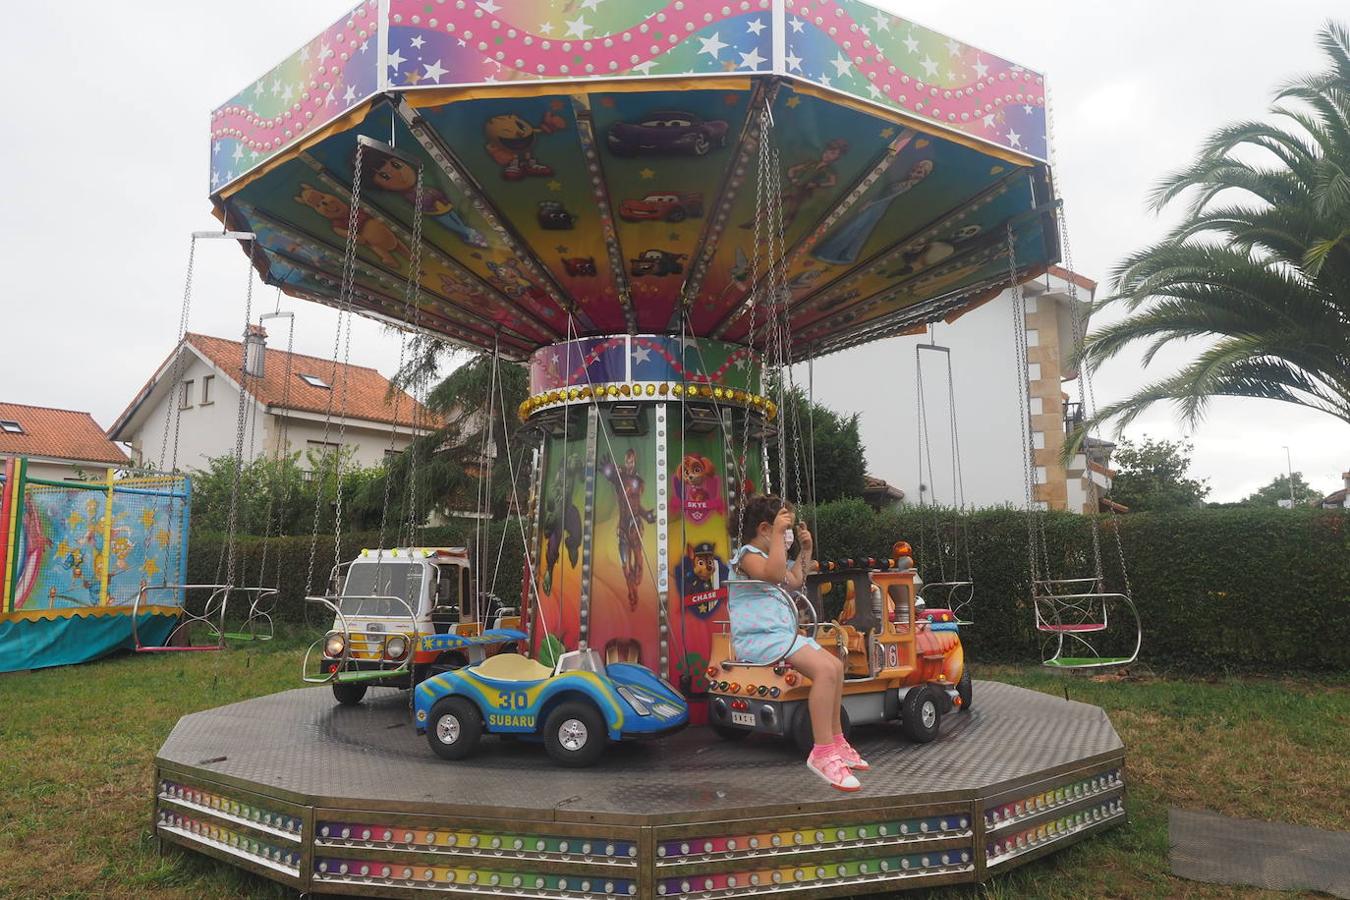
78	743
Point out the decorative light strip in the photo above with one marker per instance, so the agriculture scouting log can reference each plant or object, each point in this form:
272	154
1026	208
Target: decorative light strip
831	874
462	880
283	825
477	843
1010	813
1011	846
662	545
671	853
235	843
654	390
586	134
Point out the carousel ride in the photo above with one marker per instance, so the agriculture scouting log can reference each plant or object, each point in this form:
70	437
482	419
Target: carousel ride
659	209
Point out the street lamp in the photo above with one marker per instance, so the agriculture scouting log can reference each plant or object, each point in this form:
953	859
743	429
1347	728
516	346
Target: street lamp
1289	461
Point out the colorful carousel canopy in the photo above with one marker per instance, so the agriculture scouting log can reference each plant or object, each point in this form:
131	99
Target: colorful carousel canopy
591	167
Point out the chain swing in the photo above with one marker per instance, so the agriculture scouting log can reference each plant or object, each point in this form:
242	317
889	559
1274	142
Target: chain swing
957	592
212	615
1074	614
342	674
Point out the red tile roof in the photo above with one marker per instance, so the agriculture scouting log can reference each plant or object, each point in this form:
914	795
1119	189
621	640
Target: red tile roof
368	392
57	434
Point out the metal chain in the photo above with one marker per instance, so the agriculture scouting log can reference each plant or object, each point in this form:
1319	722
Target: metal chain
240	422
173	411
282	447
1023	390
411	290
344	308
743	458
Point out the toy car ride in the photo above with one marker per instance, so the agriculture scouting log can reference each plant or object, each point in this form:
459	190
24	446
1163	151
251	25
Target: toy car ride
576	707
898	665
400	616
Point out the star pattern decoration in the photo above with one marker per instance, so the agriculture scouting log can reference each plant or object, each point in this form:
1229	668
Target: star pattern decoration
911	43
396	59
793	101
841	64
888	133
981	70
797	25
881	21
577	27
752	60
930	68
712	45
792	60
555	185
417	42
647	174
434	71
755	27
349	95
642	354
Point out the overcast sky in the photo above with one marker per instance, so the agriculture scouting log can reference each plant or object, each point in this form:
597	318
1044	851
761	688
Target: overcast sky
105	154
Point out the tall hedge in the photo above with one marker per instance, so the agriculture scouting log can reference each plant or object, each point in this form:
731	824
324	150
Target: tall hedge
288	562
1218	590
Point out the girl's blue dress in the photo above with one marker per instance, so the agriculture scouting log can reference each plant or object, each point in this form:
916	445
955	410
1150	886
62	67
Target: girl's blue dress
763	629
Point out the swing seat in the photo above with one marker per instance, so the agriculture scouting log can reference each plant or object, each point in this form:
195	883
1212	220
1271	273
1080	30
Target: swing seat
245	636
1082	628
1088	662
201	648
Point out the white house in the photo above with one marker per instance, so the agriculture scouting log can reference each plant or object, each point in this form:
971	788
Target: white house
880	382
193	398
1338	499
59	444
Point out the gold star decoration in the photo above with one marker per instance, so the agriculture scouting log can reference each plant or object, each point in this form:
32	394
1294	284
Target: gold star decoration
150	567
887	132
647	174
793	101
555	185
147	518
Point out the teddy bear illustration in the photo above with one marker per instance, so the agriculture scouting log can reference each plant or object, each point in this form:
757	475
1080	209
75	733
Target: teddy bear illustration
370	231
510	143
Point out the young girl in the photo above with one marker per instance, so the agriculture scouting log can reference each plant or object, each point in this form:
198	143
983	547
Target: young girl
764	630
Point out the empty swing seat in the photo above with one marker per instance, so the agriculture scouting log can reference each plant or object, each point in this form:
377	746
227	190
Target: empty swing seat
1084	628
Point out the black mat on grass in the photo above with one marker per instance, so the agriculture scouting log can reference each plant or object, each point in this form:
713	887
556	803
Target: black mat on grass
1209	847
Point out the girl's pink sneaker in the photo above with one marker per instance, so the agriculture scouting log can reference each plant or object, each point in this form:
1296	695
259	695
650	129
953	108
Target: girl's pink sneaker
848	756
828	765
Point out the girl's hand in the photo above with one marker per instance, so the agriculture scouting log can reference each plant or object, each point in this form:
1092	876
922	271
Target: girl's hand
804	538
783	521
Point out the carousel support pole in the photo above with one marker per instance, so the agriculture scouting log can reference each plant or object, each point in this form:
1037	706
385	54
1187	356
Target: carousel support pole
530	586
662	543
588	529
15	475
106	575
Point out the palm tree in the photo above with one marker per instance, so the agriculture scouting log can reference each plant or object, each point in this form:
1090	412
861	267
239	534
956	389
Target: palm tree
1260	265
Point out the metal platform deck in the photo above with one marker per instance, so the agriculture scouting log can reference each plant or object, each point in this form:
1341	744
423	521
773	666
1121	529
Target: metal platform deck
340	800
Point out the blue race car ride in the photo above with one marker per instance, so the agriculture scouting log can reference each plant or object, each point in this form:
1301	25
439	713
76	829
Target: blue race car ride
576	708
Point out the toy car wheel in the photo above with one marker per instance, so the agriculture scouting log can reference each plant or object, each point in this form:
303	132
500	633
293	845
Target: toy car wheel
728	733
454	728
964	687
349	694
701	144
920	715
676	214
575	735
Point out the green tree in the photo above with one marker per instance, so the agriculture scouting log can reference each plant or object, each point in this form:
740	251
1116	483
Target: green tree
1155	475
1259	268
440	473
840	461
1278	490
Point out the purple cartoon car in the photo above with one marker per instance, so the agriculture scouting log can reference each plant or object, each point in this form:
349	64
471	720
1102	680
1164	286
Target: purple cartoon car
667	132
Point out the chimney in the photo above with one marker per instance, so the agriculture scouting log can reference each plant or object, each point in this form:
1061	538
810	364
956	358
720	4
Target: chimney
255	350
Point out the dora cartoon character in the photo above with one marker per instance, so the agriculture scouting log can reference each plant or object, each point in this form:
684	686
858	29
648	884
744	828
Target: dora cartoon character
510	143
370	231
383	171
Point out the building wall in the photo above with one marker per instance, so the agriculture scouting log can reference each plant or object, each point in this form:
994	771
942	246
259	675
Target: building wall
208	430
65	471
879	382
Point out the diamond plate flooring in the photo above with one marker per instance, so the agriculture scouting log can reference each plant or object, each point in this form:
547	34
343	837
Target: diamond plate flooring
301	745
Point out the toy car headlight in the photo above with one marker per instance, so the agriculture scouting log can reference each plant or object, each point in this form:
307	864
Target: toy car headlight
396	647
334	645
642	709
665	710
